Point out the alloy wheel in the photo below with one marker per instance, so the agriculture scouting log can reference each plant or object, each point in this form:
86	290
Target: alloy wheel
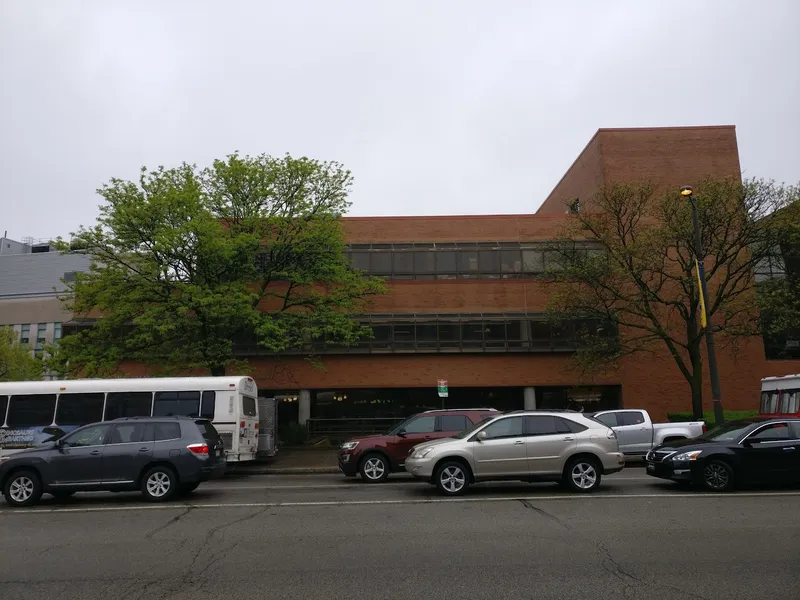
452	479
716	476
21	489
584	475
374	468
158	484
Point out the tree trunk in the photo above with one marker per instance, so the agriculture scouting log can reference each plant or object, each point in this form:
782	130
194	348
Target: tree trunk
218	371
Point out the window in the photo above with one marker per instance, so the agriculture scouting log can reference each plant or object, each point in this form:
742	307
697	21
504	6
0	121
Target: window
571	425
775	431
510	262
489	263
546	425
427	335
25	334
167	431
472	334
56	331
170	404
517	333
609	419
769	403
554	261
79	409
94	435
382	336
208	404
249	408
404	335
505	428
35	410
380	263
131	433
424	263
790	399
468	263
404	262
421	425
360	260
630	417
494	332
3	407
446	263
532	261
453	423
449	335
128	404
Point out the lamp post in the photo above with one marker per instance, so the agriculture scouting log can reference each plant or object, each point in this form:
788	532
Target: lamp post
719	417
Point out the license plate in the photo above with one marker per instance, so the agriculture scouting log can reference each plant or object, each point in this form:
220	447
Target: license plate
651	467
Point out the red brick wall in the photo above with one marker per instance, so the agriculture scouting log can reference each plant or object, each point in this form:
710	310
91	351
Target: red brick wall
582	180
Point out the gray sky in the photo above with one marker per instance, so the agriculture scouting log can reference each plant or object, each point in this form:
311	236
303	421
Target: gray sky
438	107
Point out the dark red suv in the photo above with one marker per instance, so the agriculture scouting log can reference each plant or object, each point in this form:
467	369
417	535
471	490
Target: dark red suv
376	456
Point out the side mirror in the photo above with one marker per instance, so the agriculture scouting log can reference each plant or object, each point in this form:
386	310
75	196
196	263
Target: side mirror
402	433
481	436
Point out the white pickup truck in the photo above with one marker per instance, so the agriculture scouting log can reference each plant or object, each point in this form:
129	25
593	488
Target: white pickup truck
637	433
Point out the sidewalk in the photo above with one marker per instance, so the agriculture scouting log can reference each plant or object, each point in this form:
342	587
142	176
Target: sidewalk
292	461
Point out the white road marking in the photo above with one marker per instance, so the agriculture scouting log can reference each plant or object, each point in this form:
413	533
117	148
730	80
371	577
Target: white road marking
312	504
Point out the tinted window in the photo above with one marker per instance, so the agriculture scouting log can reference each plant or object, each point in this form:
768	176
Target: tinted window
168	431
207	405
453	423
35	410
249	406
128	433
510	427
172	404
79	409
3	406
128	404
609	419
546	425
208	430
94	435
421	425
631	417
776	431
795	427
571	425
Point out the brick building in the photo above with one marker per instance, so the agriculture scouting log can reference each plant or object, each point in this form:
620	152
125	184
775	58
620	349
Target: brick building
465	304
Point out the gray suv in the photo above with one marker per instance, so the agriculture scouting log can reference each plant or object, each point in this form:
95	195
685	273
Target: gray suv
525	445
161	456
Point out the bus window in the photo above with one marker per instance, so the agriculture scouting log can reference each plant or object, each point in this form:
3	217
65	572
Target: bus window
35	410
128	404
169	404
789	402
769	403
79	409
207	405
3	406
248	406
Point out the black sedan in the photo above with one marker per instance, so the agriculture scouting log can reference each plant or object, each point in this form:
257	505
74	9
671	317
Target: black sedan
752	451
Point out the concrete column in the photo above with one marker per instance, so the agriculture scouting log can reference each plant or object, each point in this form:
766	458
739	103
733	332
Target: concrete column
303	406
529	394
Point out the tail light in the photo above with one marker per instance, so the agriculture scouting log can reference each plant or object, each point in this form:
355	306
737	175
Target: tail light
198	448
256	425
242	424
705	427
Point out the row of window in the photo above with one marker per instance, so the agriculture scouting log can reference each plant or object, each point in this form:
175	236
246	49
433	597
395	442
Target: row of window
521	426
782	402
41	335
490	335
41	410
123	433
456	263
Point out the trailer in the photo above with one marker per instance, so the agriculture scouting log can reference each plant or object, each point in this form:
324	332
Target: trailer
267	427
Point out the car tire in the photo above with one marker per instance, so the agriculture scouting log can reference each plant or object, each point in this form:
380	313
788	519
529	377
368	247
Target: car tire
452	478
159	484
374	468
188	488
62	496
23	488
582	474
717	476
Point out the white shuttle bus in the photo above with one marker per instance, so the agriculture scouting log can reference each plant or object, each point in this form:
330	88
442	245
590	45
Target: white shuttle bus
34	411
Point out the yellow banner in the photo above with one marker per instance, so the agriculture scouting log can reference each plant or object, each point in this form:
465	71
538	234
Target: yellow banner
703	321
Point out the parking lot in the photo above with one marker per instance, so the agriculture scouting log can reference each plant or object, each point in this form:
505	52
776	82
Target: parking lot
330	537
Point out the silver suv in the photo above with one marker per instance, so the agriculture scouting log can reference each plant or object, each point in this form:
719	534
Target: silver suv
525	445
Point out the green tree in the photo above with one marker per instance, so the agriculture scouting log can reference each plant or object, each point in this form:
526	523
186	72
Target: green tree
190	261
633	269
16	361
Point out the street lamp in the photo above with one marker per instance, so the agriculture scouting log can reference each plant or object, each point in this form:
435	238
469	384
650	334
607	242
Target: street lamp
719	417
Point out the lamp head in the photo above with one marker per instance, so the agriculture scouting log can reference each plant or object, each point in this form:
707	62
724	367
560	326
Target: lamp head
687	191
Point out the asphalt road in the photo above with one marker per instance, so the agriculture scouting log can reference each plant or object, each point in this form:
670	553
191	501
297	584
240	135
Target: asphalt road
328	537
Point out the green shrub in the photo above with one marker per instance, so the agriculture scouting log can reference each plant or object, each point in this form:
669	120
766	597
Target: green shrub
293	434
708	416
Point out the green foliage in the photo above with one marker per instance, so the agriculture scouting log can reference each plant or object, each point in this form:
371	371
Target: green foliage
16	361
293	434
629	261
189	262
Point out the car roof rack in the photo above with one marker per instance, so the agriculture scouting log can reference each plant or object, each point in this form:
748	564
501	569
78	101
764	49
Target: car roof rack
460	410
159	417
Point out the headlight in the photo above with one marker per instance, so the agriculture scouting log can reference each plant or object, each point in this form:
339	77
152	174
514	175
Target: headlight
687	456
349	445
423	452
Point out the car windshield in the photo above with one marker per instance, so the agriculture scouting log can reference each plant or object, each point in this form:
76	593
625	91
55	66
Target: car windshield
728	432
470	430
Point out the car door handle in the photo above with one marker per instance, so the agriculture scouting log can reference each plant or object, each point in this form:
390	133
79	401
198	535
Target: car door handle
789	448
518	443
94	452
569	438
144	449
428	437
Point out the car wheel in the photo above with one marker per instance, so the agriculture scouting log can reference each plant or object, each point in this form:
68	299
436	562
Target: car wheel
374	468
452	478
188	488
23	488
159	484
582	475
718	476
62	496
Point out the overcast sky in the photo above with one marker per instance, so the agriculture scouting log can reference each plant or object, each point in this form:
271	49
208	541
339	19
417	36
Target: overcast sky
438	107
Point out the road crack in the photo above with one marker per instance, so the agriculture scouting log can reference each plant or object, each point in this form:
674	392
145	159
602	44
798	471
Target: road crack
169	523
546	514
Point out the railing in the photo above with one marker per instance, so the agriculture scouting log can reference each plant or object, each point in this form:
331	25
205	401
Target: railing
349	427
